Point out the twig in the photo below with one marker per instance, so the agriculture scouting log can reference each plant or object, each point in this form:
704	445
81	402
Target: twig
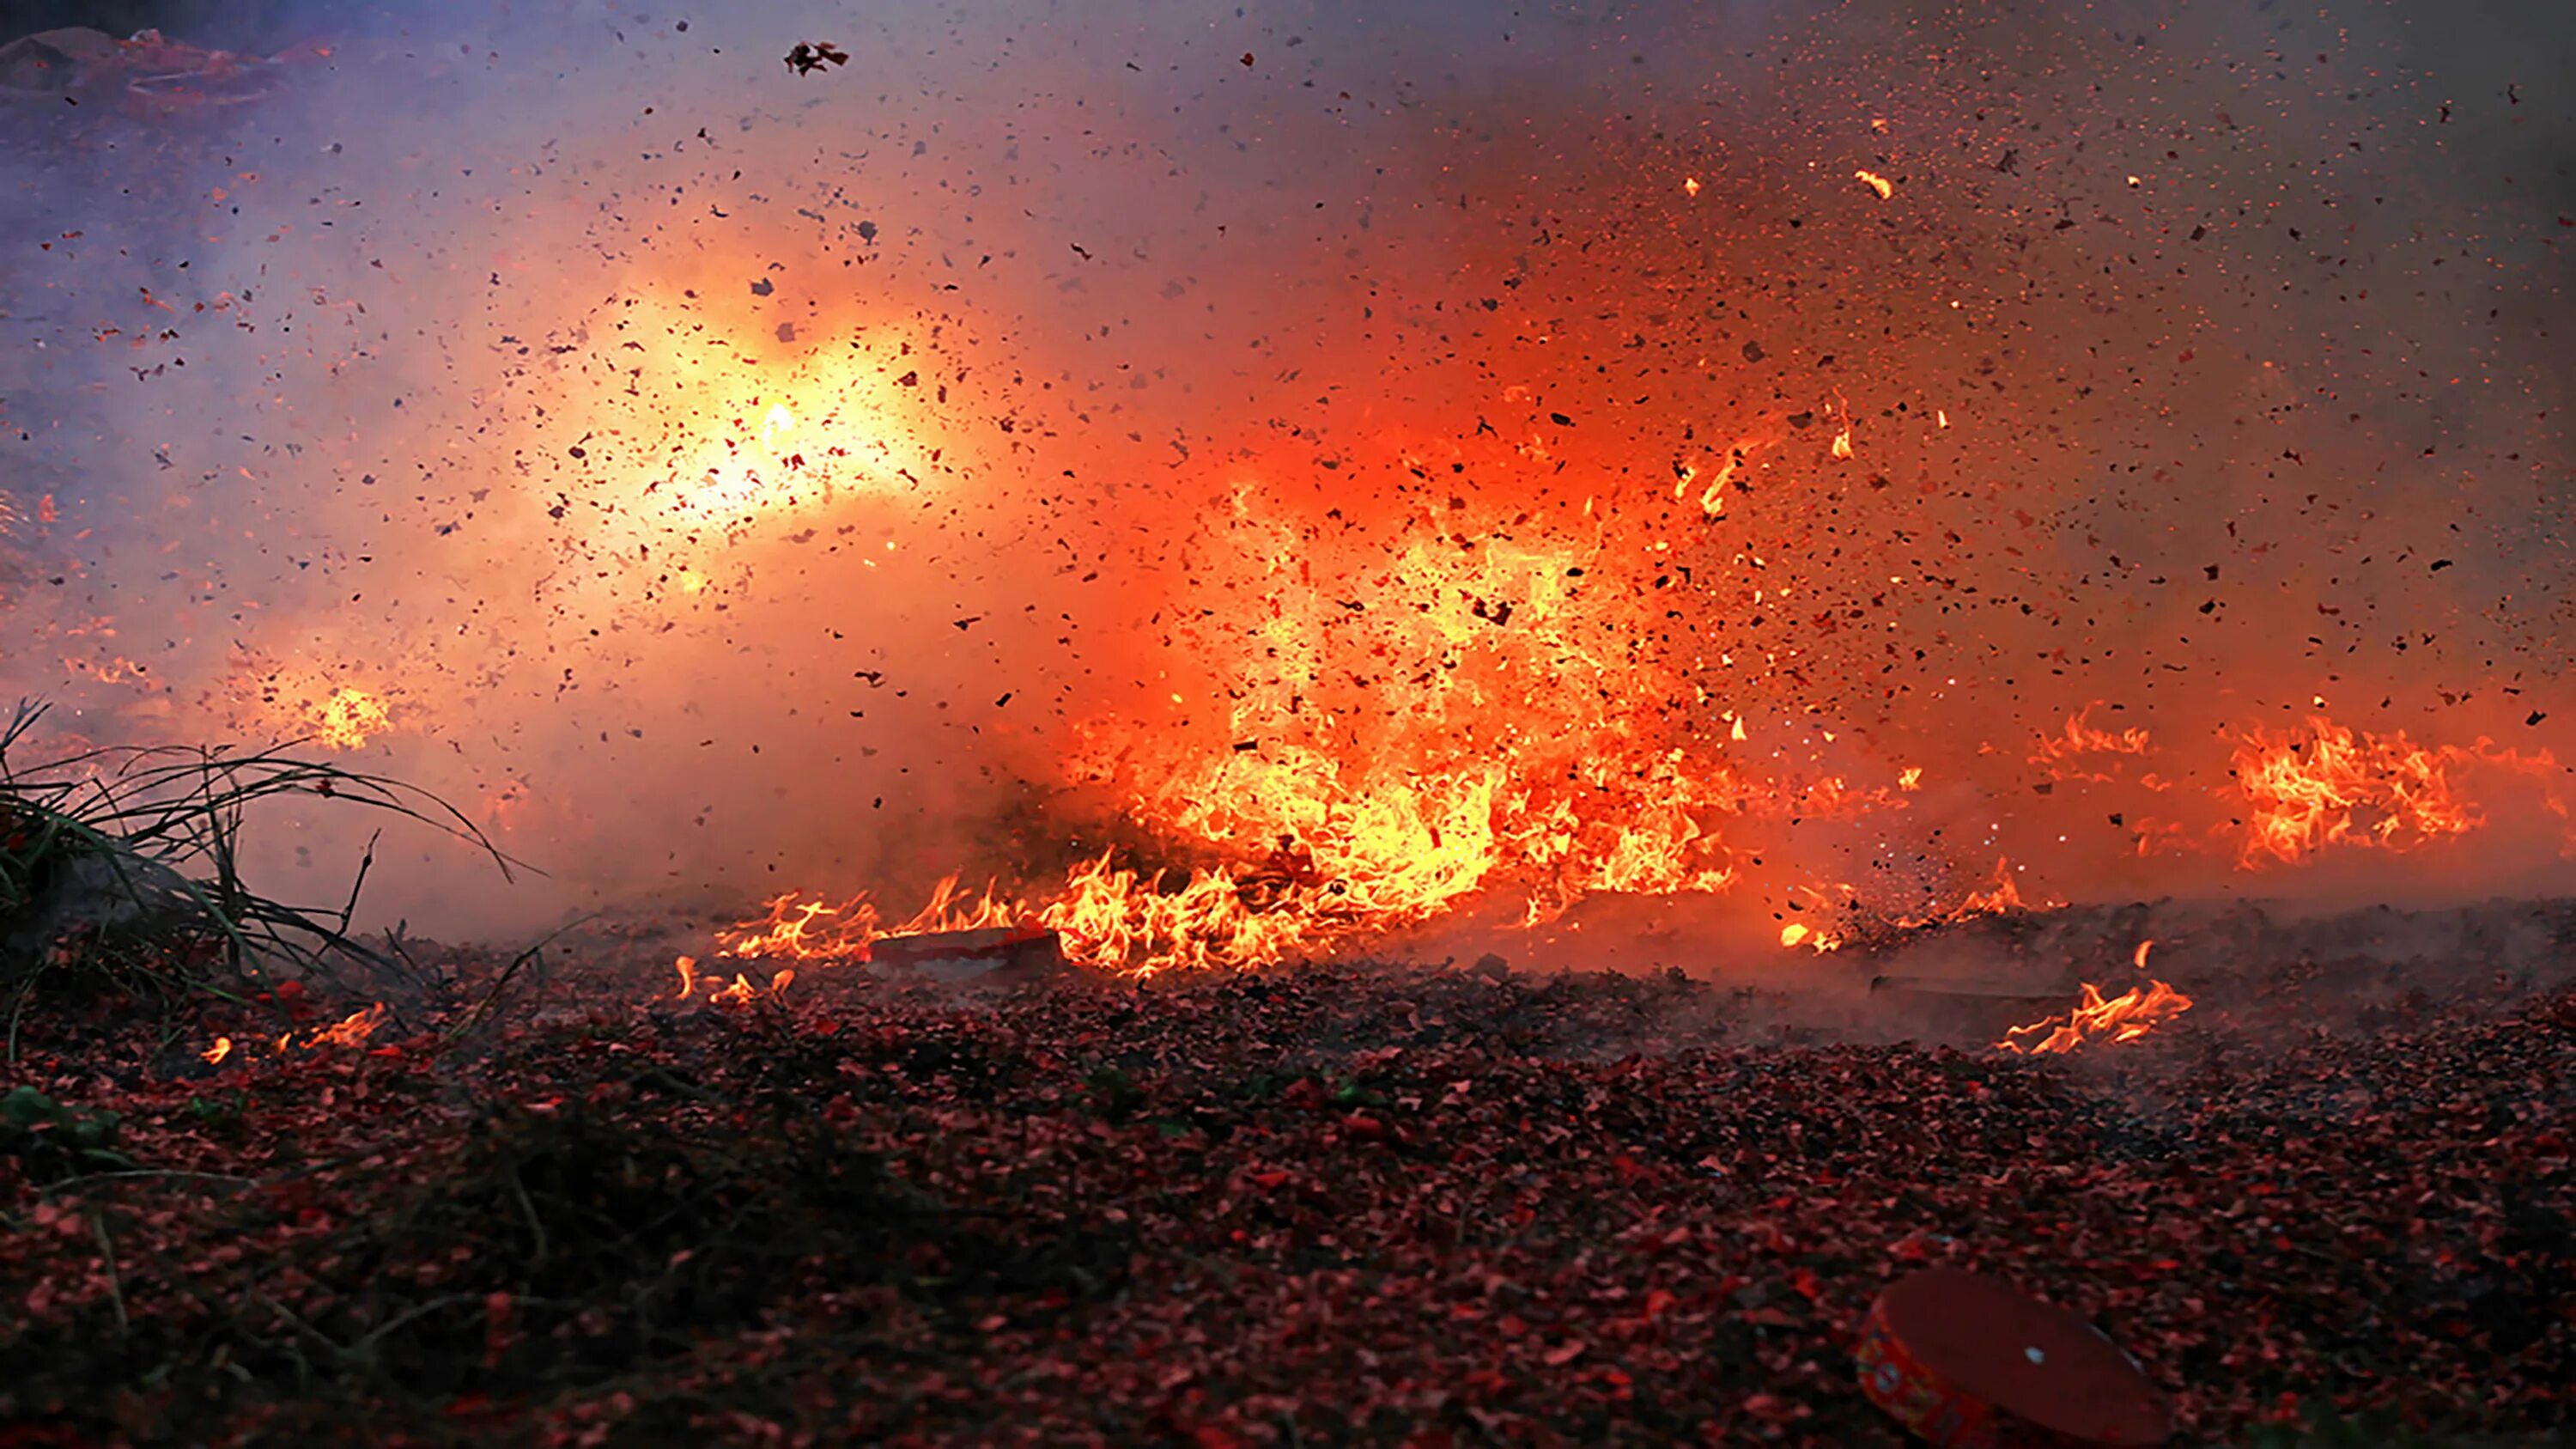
115	1279
141	1172
533	956
536	1225
299	1325
366	862
367	1344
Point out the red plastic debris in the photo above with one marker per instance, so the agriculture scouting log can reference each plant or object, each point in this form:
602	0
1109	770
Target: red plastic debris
1967	1362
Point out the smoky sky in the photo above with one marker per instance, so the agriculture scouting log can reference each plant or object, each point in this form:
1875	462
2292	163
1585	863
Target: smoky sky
2202	361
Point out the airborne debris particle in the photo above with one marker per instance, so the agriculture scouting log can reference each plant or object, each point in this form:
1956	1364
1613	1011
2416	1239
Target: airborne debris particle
810	56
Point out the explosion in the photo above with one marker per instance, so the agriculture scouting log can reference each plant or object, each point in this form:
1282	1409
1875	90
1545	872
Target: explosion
1579	501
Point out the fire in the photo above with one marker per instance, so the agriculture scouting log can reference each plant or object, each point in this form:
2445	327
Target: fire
1911	778
2125	1017
348	1034
734	440
1799	934
1875	182
1690	186
1503	748
351	1030
743	993
1511	749
2081	737
2003	898
349	718
2332	785
799	927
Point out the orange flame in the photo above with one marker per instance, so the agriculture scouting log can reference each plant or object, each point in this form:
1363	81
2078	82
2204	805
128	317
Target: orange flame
2002	899
2081	737
2333	786
1798	933
351	1030
2125	1017
348	1033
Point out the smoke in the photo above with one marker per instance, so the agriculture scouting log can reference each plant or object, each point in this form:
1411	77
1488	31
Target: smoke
728	479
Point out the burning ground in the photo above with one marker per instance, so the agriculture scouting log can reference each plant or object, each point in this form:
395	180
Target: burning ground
1256	495
1390	1205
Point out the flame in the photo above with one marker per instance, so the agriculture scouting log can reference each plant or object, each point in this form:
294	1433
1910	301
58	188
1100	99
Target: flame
1507	753
2125	1017
799	927
2003	898
2331	785
1911	778
349	718
1875	182
348	1033
1799	934
351	1030
1690	186
2080	737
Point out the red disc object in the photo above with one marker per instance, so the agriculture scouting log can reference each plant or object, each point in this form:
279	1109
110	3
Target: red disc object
1967	1362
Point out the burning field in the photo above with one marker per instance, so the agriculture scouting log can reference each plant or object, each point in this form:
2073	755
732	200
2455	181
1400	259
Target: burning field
1173	722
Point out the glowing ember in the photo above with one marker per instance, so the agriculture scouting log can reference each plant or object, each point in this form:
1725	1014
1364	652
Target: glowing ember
1875	182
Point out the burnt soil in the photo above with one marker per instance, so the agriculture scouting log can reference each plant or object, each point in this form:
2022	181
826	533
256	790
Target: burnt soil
1332	1205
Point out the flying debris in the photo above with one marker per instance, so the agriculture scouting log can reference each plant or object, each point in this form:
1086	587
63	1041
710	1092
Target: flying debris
809	56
